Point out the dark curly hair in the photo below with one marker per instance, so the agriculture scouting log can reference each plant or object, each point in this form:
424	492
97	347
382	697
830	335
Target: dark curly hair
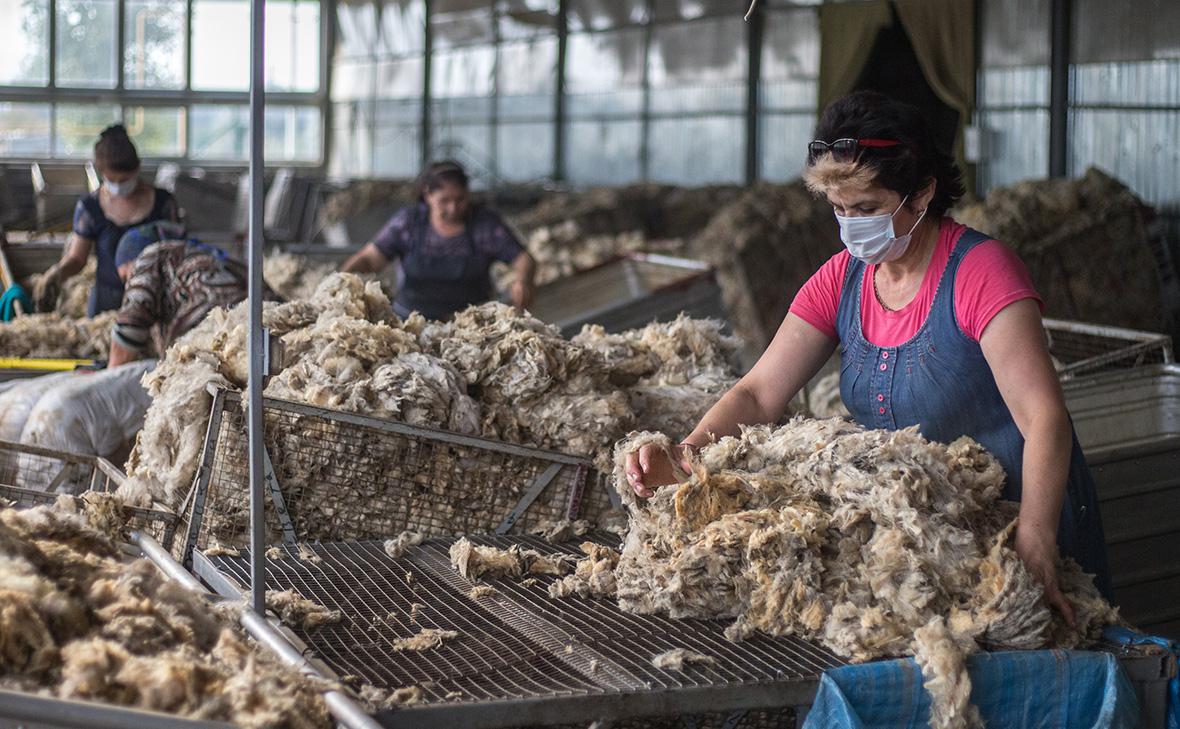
906	169
446	172
114	151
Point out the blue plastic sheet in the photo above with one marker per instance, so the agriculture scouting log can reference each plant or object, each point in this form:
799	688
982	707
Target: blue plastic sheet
1125	636
1011	689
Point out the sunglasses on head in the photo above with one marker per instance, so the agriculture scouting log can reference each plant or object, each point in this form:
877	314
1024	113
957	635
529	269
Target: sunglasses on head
846	150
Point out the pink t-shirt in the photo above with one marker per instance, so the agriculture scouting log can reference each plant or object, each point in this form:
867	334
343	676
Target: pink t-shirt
989	278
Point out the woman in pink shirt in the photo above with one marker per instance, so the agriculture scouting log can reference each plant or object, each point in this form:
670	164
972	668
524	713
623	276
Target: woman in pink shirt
937	326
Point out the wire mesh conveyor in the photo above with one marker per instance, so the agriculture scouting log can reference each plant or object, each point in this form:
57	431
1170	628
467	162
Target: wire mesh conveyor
521	657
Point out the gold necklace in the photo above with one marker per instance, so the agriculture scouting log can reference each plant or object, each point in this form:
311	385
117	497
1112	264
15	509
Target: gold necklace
877	293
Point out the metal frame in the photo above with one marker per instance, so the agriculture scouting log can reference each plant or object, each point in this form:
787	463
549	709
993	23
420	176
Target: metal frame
618	691
349	714
194	504
53	94
41	712
1121	344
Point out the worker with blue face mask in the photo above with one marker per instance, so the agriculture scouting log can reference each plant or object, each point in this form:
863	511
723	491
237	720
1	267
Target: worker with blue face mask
122	202
938	326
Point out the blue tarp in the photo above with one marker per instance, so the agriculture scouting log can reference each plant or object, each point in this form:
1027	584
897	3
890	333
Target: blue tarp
1124	636
1011	689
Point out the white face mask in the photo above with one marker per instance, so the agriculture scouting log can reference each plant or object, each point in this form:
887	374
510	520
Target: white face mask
121	189
871	238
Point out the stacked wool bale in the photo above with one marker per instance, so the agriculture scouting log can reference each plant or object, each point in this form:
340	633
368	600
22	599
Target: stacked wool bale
1085	243
874	543
78	621
764	246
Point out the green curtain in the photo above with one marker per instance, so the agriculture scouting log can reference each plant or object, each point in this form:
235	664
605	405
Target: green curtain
942	33
847	32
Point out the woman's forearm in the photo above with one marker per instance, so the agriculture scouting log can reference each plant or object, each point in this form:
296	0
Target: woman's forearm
74	259
1047	446
524	267
737	407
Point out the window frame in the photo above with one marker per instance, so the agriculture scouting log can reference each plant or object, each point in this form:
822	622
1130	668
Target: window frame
53	94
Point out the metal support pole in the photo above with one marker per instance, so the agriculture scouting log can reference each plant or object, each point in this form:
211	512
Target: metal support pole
559	92
754	28
645	84
1059	87
254	382
427	52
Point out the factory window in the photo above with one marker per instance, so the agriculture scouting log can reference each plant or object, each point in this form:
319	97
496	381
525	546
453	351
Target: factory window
76	127
221	45
154	35
24	42
1013	92
24	129
172	110
788	91
158	131
86	34
1125	97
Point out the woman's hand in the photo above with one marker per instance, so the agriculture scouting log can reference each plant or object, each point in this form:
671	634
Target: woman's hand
1038	550
651	467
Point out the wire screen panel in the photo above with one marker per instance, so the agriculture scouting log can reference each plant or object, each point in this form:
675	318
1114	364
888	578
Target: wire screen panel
40	469
1087	348
351	478
514	644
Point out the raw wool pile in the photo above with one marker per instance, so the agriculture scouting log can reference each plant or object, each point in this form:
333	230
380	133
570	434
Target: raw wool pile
54	336
874	543
292	276
363	195
674	371
533	386
1085	243
593	576
764	245
75	292
677	658
80	622
295	609
474	561
424	640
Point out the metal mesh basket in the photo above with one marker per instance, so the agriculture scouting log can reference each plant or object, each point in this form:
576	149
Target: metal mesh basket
1081	348
334	475
32	476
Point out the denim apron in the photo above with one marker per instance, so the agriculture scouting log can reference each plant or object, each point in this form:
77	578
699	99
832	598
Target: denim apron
440	284
940	381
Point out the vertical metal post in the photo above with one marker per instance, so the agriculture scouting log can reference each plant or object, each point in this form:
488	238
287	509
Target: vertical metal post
121	43
427	52
257	334
645	84
754	27
1059	87
327	53
559	92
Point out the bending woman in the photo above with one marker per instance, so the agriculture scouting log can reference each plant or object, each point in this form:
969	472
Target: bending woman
938	326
